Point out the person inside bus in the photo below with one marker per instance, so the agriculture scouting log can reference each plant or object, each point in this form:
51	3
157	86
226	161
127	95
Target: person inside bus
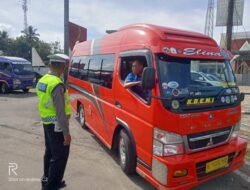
134	79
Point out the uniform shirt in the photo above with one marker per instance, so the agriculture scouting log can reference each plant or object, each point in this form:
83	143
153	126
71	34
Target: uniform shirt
132	78
59	103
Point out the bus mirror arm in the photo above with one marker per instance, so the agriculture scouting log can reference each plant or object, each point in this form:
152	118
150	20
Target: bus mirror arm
148	78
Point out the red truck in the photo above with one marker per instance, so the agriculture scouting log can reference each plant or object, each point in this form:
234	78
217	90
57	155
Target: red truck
177	129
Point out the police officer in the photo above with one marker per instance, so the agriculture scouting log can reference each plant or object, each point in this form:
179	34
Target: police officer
55	112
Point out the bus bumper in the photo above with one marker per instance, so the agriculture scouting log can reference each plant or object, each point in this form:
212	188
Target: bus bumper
164	168
24	85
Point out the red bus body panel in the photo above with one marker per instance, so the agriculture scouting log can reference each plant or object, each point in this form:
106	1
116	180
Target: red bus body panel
101	113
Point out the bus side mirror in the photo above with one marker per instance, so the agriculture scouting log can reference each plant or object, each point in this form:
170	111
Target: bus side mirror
148	78
242	96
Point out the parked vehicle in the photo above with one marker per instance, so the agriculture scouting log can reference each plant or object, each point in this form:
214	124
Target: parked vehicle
182	132
209	79
15	74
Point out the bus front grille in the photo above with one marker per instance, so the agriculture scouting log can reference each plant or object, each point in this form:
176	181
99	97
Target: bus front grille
208	139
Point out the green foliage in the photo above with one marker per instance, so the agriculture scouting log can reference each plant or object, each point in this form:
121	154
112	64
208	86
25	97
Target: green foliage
21	46
248	152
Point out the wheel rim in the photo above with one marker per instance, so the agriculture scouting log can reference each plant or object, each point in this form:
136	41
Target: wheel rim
81	115
122	151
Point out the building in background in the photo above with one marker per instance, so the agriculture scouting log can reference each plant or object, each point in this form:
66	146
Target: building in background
38	65
241	50
76	33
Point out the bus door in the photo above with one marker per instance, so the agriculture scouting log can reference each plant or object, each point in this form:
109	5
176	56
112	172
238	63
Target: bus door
100	74
134	104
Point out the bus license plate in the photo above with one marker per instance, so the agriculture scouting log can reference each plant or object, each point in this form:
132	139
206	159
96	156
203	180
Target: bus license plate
216	164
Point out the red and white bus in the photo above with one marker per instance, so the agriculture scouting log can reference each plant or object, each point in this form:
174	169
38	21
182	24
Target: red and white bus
183	130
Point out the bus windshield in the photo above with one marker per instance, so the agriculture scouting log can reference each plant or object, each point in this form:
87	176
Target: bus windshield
22	69
183	73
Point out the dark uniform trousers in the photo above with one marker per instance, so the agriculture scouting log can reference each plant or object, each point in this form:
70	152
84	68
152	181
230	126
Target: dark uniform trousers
55	158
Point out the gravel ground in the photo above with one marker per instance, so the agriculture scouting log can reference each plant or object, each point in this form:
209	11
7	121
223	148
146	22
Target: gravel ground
91	166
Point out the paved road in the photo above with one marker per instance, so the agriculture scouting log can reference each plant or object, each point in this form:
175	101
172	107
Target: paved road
91	166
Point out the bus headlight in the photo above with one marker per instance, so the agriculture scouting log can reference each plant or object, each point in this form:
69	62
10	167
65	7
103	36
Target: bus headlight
167	143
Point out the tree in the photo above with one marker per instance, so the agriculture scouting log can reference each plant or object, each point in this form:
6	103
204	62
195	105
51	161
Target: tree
44	49
56	47
31	35
4	38
21	46
4	35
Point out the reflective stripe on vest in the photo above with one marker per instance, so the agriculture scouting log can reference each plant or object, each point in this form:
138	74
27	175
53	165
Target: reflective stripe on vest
50	119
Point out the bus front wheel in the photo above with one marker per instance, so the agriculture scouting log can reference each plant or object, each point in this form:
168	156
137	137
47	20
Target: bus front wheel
127	156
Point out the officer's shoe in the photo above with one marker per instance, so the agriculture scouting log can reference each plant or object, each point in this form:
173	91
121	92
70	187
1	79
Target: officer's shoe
44	181
62	184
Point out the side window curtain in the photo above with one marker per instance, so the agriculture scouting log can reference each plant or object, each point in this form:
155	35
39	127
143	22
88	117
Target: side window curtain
107	70
83	68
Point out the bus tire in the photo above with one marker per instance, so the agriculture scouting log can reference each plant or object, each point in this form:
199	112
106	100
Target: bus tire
81	115
4	88
127	156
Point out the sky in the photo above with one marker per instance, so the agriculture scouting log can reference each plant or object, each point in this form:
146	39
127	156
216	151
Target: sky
99	15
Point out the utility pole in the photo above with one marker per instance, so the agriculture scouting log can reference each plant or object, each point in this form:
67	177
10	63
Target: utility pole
25	9
66	27
66	35
230	23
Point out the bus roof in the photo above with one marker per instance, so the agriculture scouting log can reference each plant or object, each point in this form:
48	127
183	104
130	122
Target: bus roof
160	38
12	59
172	34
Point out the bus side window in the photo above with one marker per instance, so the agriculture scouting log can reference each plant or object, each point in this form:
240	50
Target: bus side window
74	67
2	66
94	72
83	68
107	70
5	68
